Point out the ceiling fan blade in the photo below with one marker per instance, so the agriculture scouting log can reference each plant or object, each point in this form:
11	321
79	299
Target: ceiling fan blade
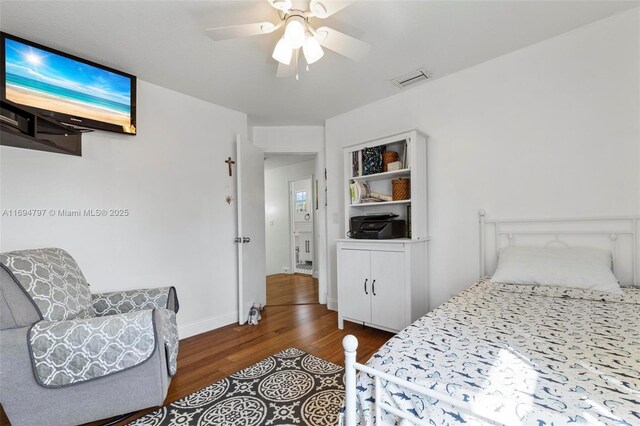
244	30
341	43
283	5
325	8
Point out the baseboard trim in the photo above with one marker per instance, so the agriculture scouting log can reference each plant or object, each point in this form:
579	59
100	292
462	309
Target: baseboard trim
208	324
332	304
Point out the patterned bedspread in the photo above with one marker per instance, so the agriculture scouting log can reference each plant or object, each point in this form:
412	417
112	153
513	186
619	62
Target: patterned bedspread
521	355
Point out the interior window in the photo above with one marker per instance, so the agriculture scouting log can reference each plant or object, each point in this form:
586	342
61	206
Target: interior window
301	201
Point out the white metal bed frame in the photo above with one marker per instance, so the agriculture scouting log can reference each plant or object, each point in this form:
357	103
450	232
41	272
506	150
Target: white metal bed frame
602	232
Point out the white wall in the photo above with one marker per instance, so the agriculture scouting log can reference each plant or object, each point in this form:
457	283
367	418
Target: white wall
289	138
277	215
550	130
173	180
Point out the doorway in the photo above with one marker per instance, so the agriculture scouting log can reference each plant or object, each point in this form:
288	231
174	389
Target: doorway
290	212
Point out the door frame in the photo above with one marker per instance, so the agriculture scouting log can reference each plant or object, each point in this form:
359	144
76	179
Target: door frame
292	238
320	224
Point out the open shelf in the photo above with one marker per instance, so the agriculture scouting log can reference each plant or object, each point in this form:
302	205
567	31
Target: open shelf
411	147
384	175
381	203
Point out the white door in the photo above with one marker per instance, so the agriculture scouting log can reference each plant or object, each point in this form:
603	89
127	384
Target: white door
387	289
252	270
355	284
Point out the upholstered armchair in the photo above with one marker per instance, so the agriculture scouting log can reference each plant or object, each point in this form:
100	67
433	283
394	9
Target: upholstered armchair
70	357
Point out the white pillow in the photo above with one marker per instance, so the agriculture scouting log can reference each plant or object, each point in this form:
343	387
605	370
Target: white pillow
575	267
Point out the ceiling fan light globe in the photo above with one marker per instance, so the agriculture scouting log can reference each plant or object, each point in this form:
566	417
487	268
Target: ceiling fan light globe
282	52
312	50
295	33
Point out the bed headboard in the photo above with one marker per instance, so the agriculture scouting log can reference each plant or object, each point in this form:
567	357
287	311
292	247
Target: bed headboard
616	234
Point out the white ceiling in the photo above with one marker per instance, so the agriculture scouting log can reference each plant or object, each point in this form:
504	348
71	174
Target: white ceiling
271	161
164	42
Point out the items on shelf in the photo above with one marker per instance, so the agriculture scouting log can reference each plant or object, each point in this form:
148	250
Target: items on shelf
408	220
372	159
388	157
381	197
396	165
355	164
382	226
360	192
400	189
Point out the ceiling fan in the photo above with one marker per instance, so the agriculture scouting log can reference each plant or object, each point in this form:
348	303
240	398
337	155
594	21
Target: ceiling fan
299	33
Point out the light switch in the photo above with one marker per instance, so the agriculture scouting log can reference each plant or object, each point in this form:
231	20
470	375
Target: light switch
336	218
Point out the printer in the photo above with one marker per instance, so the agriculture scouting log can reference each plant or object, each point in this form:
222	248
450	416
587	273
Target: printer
382	226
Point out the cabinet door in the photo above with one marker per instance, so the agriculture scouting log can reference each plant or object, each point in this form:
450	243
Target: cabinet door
388	289
306	254
354	277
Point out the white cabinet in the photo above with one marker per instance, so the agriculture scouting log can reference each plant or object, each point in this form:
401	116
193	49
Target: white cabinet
305	247
304	241
382	284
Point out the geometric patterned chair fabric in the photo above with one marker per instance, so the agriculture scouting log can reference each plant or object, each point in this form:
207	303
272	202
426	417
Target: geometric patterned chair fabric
53	281
80	337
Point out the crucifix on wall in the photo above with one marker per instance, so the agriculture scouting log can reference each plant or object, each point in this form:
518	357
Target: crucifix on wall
230	162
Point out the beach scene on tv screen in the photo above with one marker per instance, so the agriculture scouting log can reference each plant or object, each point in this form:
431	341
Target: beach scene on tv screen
41	79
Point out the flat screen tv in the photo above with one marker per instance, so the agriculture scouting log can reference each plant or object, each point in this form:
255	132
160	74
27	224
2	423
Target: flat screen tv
69	89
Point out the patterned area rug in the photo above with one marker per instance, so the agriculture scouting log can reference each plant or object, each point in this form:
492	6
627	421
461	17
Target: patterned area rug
291	387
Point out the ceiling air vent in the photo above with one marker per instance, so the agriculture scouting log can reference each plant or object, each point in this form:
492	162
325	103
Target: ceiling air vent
414	77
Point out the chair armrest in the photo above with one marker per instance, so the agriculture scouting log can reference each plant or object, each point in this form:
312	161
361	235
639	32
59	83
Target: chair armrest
120	302
74	351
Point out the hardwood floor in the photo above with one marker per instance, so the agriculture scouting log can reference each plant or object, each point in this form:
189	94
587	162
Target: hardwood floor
291	289
209	357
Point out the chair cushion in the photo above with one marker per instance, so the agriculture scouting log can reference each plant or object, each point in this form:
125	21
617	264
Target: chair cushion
53	280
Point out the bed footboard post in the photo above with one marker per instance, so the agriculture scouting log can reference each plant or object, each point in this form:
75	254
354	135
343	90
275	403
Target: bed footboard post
483	261
350	344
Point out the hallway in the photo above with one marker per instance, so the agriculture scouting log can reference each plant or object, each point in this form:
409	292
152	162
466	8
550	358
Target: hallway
291	289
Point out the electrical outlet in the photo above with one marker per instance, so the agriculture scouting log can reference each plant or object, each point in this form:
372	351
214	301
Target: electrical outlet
285	268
